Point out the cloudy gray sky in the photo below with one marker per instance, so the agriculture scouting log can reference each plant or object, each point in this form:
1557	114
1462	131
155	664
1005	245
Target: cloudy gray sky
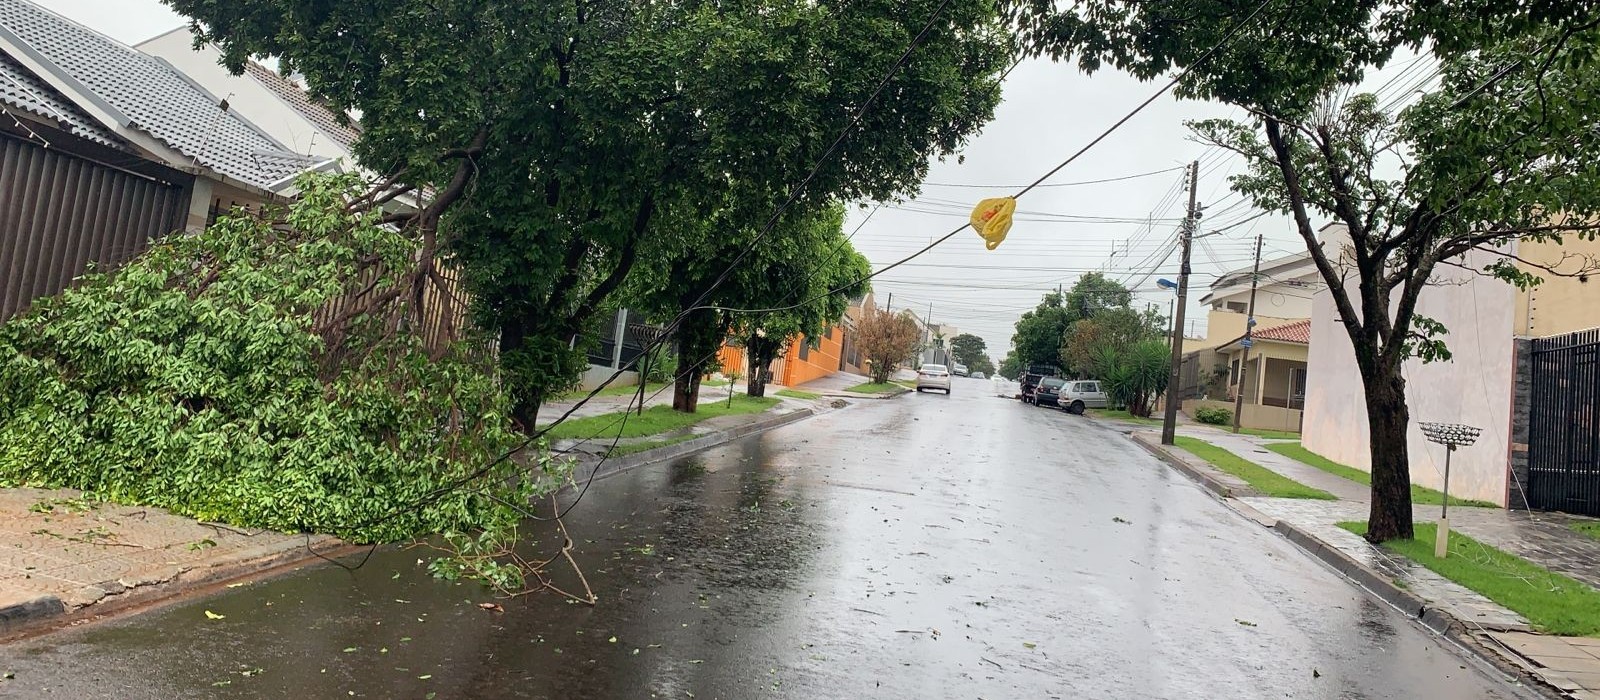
1125	228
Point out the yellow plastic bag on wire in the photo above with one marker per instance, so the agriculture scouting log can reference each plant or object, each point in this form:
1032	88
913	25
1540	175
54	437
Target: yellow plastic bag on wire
992	219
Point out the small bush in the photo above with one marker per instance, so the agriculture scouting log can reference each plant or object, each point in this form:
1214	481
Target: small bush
1214	416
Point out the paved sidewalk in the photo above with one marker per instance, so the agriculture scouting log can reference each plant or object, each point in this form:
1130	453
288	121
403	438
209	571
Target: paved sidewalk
60	552
1546	539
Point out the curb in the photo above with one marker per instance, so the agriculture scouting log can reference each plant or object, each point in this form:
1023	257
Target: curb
587	470
1437	620
42	613
1196	469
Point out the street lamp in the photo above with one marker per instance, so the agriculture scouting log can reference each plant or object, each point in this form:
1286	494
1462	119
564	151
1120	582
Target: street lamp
1172	330
1451	435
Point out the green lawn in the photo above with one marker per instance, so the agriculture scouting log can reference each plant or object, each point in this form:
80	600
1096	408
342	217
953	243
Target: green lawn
872	388
1260	478
1554	603
1419	494
1591	529
796	394
1124	415
656	419
714	382
1269	434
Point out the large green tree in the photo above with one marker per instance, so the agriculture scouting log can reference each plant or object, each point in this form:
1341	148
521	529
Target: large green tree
798	282
1040	332
971	351
558	144
1502	149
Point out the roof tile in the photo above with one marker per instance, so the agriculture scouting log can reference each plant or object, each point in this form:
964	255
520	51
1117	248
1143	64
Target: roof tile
154	96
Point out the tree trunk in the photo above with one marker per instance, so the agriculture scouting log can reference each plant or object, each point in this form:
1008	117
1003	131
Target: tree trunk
760	352
1387	418
699	336
686	392
524	404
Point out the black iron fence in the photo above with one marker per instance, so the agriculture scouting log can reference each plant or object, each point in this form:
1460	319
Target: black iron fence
1564	424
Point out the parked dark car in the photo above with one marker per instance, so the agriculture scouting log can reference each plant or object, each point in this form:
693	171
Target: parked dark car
1048	392
1031	378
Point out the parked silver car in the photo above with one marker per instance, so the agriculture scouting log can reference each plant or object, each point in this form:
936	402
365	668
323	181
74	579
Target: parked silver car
933	377
1081	394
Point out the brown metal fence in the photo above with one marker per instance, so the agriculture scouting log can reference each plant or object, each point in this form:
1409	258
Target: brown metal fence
59	212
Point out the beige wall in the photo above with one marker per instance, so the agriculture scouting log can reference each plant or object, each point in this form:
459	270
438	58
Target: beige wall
1473	388
1253	416
1560	304
1223	326
1276	376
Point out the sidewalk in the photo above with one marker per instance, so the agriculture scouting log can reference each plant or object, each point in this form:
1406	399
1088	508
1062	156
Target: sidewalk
1571	665
60	553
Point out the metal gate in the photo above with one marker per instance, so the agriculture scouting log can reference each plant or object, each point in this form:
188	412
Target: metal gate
1564	424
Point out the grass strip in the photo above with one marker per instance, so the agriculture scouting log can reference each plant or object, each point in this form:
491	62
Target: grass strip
1124	416
1260	478
874	388
1554	603
637	447
1419	494
1591	529
656	419
797	394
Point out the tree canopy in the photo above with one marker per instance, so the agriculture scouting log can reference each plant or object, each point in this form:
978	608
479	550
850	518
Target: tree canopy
563	143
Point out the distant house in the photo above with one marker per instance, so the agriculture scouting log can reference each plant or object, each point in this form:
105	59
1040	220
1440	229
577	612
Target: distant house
1523	369
103	148
1274	385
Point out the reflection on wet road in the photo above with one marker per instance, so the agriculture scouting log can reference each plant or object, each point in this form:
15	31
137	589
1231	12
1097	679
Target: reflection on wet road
922	547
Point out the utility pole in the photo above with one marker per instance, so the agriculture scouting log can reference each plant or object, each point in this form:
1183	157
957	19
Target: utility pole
1249	329
1169	423
889	304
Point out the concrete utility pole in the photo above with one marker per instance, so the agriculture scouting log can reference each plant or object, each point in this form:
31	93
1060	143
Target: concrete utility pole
1249	330
1169	424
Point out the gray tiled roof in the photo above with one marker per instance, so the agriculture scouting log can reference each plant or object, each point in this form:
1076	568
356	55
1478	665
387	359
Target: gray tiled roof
22	90
151	96
309	109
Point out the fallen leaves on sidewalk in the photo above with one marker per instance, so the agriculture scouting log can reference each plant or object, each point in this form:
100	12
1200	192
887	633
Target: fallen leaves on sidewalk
494	607
214	616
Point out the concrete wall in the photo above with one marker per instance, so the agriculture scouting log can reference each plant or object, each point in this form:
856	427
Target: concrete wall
1475	387
1279	299
1561	304
1252	415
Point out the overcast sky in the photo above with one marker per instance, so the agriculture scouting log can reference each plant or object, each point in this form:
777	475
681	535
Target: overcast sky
1125	228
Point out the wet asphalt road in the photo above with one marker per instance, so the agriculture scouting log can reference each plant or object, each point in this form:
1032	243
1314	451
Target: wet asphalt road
921	547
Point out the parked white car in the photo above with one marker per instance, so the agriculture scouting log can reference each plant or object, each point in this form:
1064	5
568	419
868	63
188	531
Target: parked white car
1081	394
958	369
934	377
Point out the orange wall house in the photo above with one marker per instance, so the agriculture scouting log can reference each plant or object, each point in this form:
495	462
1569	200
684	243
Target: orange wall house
803	363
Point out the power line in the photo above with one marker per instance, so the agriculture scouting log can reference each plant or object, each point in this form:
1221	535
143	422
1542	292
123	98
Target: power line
1056	184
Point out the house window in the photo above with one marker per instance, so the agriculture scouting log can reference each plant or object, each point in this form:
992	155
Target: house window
1297	387
1237	307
